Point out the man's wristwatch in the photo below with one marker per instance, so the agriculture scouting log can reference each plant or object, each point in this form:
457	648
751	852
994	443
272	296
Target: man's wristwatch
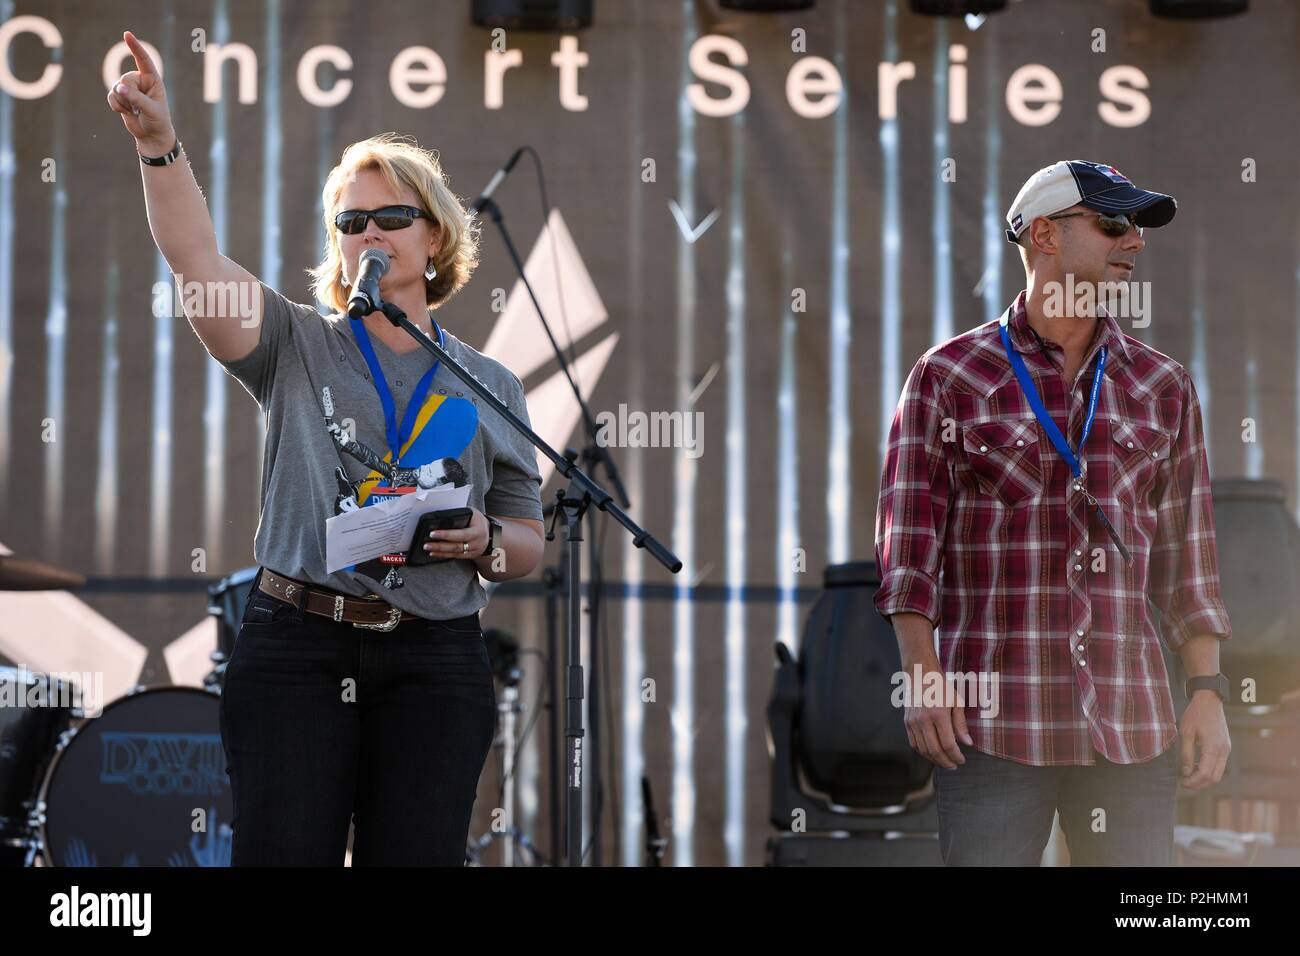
494	536
1218	683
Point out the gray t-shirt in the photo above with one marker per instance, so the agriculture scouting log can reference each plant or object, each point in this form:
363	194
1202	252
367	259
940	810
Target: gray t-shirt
302	352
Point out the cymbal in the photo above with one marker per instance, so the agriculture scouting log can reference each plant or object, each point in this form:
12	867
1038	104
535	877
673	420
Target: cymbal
25	574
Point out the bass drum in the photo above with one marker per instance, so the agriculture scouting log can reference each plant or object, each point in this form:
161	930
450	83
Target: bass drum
144	784
41	710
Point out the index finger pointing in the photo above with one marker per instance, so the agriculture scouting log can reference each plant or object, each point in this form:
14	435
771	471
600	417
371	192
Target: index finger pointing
143	62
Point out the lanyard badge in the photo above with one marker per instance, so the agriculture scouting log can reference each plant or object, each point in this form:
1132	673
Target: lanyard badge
396	438
1078	467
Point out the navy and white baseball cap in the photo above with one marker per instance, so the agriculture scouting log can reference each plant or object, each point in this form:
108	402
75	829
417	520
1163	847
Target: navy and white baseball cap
1103	188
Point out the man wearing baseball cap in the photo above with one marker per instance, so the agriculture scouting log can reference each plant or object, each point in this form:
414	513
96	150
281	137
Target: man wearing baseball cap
1046	475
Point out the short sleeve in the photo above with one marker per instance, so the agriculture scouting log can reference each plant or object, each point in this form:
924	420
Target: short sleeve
516	490
256	370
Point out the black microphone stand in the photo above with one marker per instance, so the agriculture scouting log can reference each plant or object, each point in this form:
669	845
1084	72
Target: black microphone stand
593	456
571	504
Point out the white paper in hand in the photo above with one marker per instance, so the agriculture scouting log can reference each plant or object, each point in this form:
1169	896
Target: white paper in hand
384	528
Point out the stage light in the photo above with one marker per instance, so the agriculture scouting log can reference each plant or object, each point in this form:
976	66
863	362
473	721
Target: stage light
543	15
956	8
765	6
1193	9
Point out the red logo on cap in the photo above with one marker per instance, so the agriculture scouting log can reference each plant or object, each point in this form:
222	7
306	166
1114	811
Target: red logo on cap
1113	174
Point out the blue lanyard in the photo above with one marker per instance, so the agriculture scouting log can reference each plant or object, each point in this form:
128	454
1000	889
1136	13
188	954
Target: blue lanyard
1036	402
396	438
1054	433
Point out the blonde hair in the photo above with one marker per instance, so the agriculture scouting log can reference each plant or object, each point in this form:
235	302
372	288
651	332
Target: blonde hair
402	164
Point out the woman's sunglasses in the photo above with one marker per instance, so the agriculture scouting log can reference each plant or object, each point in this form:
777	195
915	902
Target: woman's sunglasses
353	221
1112	225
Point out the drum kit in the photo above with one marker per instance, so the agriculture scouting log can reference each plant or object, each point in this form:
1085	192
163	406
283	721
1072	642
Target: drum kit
141	782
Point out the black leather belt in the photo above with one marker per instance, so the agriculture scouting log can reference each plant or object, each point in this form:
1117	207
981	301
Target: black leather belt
372	613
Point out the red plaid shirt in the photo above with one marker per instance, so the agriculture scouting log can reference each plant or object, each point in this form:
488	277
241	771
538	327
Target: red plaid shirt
979	528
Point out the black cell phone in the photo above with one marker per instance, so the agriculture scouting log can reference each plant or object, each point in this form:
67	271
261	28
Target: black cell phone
451	518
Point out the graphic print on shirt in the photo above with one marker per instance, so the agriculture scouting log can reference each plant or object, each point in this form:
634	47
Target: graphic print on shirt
434	432
439	434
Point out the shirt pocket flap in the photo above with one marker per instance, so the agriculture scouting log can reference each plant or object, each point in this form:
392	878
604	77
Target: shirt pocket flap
1134	439
988	436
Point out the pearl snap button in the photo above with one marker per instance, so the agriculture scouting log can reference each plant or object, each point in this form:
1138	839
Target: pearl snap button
1077	551
1080	633
984	447
1078	567
1020	441
1130	444
1155	454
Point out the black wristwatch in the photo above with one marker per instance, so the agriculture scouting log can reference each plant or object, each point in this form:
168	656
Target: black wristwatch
1218	683
166	159
494	536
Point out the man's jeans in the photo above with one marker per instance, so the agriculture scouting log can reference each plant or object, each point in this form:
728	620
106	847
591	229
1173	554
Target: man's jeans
996	812
324	723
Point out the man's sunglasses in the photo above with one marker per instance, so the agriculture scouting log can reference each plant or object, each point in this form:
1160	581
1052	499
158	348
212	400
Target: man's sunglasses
353	221
1112	225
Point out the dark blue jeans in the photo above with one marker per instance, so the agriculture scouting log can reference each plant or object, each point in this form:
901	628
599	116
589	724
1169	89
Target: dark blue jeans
996	812
324	724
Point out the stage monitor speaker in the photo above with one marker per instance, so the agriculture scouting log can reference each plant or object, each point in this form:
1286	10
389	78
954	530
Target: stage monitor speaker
765	6
851	736
1259	571
1198	9
543	15
956	8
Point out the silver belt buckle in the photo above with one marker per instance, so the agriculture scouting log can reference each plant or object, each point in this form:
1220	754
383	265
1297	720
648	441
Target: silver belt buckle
338	607
394	615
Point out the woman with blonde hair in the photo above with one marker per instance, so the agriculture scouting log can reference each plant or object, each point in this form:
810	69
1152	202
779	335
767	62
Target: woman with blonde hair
361	696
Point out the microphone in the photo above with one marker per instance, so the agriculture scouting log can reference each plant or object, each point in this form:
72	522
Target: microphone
365	291
498	178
